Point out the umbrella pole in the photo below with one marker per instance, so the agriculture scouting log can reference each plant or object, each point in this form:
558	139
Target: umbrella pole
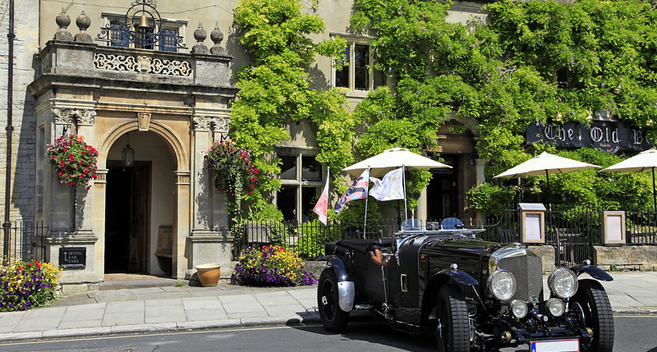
654	196
556	232
367	196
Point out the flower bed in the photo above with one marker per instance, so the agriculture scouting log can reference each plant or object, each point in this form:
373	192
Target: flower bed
74	160
26	285
271	265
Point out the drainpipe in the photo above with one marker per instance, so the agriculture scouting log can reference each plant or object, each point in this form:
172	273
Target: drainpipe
10	89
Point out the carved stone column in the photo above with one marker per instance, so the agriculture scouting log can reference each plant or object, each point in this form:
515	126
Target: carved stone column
181	223
84	119
71	210
61	217
480	177
208	243
201	210
219	203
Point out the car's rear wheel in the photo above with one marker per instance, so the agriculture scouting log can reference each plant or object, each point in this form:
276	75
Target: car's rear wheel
592	305
453	321
333	318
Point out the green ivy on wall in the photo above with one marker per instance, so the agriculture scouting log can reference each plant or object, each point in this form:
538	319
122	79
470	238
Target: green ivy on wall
529	62
276	89
522	63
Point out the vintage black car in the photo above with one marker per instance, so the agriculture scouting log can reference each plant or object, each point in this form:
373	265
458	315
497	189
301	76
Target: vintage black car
475	295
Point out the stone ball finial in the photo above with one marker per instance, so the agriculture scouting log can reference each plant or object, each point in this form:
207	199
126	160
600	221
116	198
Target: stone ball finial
217	36
200	34
63	21
83	22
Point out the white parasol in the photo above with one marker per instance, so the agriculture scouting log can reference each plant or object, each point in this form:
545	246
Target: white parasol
545	164
389	160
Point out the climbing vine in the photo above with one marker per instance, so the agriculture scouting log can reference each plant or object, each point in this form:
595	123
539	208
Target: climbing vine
529	62
276	89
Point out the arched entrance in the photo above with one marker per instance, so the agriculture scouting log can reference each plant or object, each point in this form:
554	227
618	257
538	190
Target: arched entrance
447	188
139	205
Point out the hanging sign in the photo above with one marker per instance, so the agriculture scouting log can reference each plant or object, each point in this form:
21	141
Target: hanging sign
606	136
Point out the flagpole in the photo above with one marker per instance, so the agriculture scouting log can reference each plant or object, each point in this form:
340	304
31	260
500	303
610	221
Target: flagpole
366	199
404	182
328	200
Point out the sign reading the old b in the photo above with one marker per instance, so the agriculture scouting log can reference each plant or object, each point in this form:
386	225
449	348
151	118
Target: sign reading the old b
72	257
602	135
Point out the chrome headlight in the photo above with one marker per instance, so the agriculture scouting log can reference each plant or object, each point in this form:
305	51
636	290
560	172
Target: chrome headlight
502	285
556	307
563	283
519	309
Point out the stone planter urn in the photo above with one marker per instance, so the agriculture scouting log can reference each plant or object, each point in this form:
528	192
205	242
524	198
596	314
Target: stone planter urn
208	274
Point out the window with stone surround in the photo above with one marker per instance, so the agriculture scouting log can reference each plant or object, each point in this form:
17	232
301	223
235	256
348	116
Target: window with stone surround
357	73
301	177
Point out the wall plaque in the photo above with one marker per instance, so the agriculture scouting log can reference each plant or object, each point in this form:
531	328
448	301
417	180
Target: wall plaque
72	257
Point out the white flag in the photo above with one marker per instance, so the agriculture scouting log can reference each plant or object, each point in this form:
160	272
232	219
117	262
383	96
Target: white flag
321	208
390	188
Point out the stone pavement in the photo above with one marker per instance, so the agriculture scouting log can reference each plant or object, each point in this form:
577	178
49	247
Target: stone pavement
132	306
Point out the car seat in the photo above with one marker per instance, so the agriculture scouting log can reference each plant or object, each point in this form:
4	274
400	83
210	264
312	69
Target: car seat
451	224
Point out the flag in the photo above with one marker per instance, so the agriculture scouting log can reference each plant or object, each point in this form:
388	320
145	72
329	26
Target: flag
357	191
390	188
321	208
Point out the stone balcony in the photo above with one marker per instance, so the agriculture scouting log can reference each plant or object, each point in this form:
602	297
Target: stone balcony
90	64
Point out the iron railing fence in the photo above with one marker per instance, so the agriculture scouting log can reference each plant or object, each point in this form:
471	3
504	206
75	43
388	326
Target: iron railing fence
25	241
571	230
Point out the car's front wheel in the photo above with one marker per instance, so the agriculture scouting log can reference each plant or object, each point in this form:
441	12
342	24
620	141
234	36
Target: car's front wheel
453	321
592	305
333	318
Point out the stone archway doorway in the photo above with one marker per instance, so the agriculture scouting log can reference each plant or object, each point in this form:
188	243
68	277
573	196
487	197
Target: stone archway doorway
127	217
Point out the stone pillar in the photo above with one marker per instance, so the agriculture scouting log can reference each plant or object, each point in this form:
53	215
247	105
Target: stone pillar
480	177
181	223
71	210
84	198
218	201
209	242
99	189
61	195
202	216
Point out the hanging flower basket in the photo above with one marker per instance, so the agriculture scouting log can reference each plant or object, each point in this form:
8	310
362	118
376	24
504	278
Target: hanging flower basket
232	168
74	160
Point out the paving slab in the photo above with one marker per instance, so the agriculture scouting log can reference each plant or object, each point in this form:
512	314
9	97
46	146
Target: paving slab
193	303
205	314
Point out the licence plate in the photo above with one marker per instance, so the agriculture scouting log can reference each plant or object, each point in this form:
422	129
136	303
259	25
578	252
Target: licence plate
554	346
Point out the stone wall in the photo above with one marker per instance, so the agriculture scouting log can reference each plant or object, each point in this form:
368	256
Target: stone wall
23	116
642	258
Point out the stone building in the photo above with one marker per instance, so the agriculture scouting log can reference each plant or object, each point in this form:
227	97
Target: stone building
157	78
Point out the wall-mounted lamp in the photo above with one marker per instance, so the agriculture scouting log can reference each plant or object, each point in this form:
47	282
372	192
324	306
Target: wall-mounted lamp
128	154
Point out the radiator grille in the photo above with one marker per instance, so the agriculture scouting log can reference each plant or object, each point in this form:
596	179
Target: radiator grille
528	273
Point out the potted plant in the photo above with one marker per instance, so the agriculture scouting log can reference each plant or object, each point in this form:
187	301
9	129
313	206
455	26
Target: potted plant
208	274
232	168
74	160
